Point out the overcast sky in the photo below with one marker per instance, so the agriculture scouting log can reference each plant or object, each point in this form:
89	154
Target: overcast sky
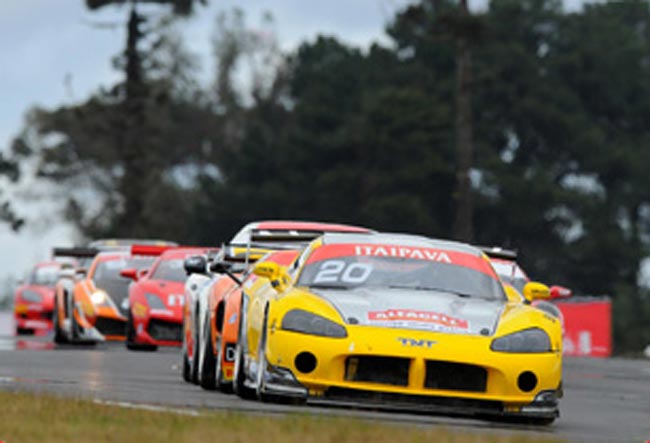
52	54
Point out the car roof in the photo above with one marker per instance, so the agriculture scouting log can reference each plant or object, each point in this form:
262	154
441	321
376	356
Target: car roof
407	240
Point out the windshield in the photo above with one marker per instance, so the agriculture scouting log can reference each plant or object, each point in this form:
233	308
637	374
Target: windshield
107	275
421	269
170	270
44	275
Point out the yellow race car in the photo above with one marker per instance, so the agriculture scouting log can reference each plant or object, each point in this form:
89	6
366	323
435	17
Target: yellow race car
398	321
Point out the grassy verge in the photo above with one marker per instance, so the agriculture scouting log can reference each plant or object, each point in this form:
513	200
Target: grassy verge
41	418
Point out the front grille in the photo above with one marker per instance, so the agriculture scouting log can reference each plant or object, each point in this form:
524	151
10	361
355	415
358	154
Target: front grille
46	315
414	403
384	370
165	331
455	376
110	326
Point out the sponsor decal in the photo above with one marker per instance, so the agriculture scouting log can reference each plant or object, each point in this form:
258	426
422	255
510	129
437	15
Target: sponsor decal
175	300
231	352
416	316
416	343
233	318
403	252
139	310
427	254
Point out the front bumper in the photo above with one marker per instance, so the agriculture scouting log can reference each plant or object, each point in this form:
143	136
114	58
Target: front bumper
442	372
159	331
32	318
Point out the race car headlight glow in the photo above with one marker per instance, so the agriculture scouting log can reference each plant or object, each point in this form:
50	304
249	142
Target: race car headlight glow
98	297
529	341
154	301
31	296
305	322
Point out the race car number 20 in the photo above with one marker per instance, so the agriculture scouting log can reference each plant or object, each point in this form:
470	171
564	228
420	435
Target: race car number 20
332	271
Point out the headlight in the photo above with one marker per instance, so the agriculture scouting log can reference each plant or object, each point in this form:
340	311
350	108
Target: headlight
154	301
529	341
305	322
98	297
31	296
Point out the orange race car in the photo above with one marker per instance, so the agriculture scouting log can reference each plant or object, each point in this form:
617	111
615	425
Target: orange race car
91	304
223	329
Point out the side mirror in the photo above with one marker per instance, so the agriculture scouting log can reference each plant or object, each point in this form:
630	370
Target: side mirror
274	272
536	291
67	273
196	264
221	267
131	273
142	272
224	267
80	272
560	292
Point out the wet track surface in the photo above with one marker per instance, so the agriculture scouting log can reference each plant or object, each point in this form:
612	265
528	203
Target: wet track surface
605	400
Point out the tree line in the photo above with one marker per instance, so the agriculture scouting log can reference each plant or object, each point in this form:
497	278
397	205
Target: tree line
558	107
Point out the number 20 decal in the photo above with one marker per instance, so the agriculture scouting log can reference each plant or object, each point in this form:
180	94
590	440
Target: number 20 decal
333	271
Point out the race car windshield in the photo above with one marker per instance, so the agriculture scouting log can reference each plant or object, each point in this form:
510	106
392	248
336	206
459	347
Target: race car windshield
44	276
107	275
348	272
170	270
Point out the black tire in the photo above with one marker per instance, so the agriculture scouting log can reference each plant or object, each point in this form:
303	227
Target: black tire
238	385
129	332
59	336
187	368
207	378
194	366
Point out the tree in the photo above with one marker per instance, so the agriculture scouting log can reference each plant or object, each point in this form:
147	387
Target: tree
9	168
118	153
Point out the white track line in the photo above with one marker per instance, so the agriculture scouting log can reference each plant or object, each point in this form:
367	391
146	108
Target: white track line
147	407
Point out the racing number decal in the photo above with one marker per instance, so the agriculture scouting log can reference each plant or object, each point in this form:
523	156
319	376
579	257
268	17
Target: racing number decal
175	299
332	271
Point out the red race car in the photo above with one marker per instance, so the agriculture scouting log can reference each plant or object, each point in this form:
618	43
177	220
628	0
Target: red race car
34	300
156	299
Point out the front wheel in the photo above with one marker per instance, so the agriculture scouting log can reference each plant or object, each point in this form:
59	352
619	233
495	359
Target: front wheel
207	374
59	336
187	368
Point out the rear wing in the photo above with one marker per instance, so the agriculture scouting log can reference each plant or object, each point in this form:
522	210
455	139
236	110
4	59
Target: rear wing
145	249
75	252
283	236
126	243
499	252
264	241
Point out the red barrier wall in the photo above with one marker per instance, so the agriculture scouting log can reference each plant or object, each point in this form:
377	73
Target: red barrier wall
587	327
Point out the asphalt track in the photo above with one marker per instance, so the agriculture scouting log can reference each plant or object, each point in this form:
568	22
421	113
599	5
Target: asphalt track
606	400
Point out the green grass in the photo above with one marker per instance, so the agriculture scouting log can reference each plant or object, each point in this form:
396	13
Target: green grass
43	418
